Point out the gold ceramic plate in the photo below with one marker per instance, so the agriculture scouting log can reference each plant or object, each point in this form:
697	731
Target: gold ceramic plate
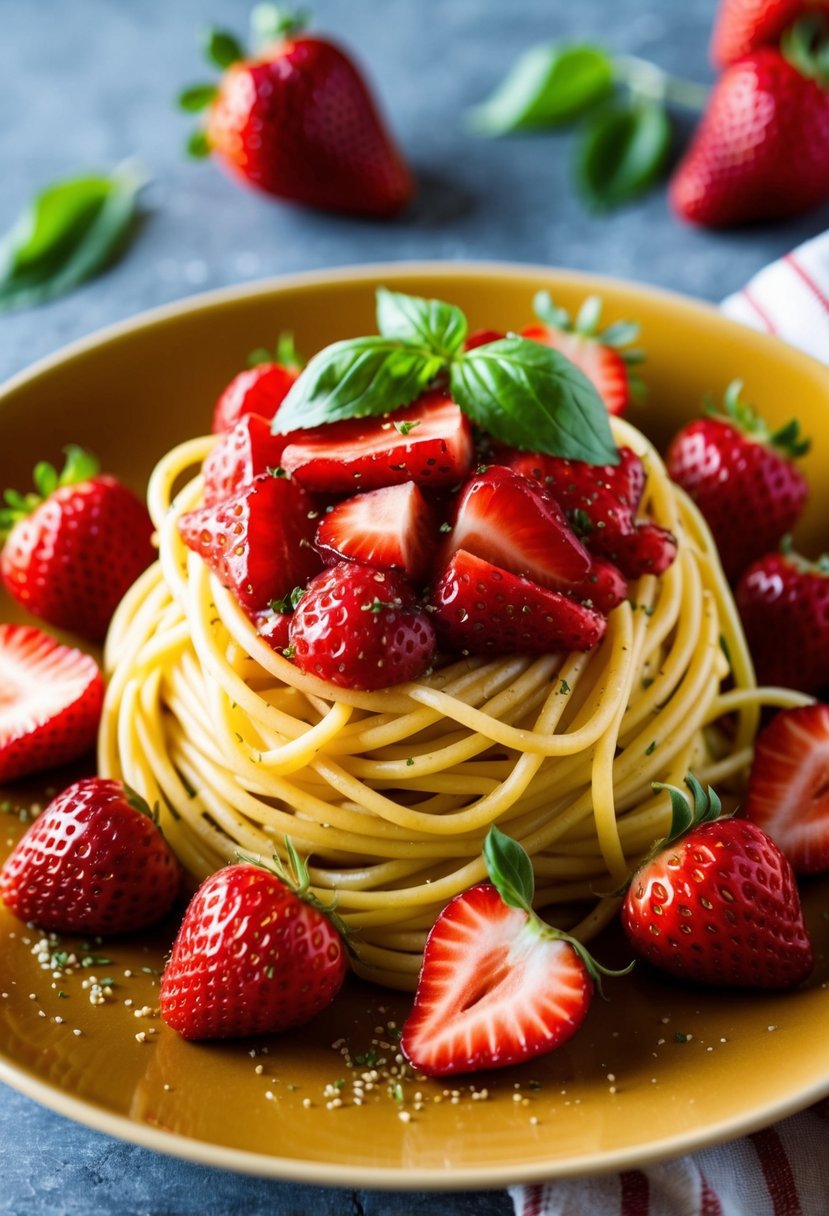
657	1069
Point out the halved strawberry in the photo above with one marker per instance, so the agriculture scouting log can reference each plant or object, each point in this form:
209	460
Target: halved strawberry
241	454
788	787
259	542
605	356
393	528
480	608
429	442
497	985
510	521
50	702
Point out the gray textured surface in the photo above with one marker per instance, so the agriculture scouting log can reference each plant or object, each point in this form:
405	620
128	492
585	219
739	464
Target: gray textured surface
84	85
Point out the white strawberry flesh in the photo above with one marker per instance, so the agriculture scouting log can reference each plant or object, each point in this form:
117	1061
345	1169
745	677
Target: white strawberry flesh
389	529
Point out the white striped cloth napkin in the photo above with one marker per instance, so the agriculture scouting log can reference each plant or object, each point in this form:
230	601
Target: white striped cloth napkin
782	1170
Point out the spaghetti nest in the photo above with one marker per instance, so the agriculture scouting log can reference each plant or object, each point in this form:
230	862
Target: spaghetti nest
390	794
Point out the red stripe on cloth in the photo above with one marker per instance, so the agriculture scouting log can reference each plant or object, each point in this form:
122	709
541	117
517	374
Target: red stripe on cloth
709	1199
751	299
533	1201
805	277
636	1198
777	1173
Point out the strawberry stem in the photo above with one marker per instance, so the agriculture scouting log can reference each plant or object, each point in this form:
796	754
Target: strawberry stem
79	466
294	874
805	44
787	439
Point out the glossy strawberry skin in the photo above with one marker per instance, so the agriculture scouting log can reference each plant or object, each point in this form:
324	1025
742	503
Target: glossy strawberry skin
784	607
300	124
787	793
244	452
393	528
761	151
479	608
91	863
256	390
72	559
259	542
492	992
749	494
250	958
720	907
741	26
361	628
51	698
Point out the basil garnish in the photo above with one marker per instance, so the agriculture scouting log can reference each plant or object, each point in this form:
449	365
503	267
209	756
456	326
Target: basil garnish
523	393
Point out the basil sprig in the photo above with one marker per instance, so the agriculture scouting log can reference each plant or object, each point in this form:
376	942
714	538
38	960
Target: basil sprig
522	392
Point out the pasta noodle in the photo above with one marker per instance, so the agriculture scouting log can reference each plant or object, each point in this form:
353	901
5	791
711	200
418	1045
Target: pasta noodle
390	794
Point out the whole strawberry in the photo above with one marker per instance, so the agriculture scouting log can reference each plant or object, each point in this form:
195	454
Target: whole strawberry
783	601
741	26
761	151
297	120
74	548
716	902
361	628
93	862
255	954
743	478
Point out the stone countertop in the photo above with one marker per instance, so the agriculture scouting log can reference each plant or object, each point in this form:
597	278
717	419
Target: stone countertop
86	84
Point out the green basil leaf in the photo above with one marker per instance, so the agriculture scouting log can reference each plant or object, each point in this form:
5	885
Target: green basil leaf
198	145
51	222
531	397
623	152
431	324
71	245
510	869
197	97
549	84
356	378
222	48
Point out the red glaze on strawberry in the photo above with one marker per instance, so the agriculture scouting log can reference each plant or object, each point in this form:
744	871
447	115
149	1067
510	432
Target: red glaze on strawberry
50	702
743	477
718	904
741	26
256	390
599	500
252	957
429	443
480	608
70	555
783	601
788	790
508	520
240	455
273	626
258	542
390	529
93	862
361	628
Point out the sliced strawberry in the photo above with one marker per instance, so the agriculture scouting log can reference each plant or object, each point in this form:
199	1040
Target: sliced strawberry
481	609
50	702
259	542
429	442
510	521
648	549
599	500
788	788
257	390
240	455
390	529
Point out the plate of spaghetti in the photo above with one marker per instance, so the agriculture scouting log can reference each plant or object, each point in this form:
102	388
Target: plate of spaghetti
227	713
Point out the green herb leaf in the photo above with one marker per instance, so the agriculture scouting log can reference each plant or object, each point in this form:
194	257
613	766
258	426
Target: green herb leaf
530	396
70	232
197	97
509	869
549	85
438	327
198	145
356	378
222	48
623	152
271	22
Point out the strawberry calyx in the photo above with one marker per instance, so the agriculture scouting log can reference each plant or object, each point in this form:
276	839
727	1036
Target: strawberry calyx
619	336
510	871
293	873
685	816
271	23
79	466
819	567
285	354
135	800
787	439
805	45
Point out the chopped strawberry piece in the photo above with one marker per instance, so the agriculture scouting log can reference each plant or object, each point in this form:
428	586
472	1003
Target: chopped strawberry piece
493	990
50	702
257	390
604	587
481	609
788	788
599	500
648	549
274	626
390	529
361	628
429	442
258	542
508	520
240	455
